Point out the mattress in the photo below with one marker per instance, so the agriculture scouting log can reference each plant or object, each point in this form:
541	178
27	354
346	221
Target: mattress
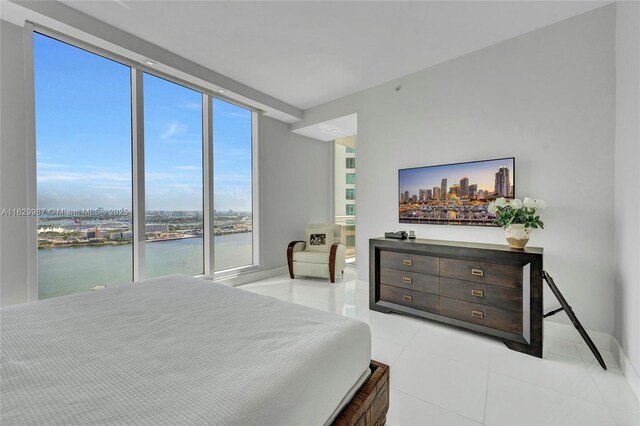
176	350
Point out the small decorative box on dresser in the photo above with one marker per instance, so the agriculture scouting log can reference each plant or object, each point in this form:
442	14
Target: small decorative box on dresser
489	289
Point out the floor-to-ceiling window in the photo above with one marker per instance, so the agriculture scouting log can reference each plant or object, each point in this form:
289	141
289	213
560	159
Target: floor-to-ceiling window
83	148
86	164
233	185
173	178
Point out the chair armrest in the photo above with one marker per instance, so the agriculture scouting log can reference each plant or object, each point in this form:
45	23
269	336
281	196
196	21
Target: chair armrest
294	246
337	249
297	246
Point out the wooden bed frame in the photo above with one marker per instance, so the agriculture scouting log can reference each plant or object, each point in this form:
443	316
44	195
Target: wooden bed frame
369	406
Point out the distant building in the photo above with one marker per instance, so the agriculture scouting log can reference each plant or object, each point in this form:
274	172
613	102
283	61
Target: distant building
503	183
345	191
423	195
121	235
429	194
402	197
406	196
443	188
156	227
482	195
454	191
436	193
464	187
91	233
473	190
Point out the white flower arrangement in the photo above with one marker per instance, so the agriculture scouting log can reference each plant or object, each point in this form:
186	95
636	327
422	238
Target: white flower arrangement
517	211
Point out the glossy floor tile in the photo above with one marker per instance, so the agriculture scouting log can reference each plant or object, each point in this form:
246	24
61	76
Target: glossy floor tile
444	376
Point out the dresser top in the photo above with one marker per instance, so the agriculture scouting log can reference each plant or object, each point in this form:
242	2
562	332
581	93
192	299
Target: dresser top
494	247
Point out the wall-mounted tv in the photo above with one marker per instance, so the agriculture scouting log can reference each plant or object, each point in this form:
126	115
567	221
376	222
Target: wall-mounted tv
455	194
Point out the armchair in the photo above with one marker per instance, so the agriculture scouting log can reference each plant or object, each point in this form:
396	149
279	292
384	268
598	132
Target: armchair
321	254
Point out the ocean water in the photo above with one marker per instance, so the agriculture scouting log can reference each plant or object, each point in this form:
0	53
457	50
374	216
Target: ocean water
70	270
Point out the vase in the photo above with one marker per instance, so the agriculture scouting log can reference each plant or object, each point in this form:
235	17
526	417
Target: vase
517	235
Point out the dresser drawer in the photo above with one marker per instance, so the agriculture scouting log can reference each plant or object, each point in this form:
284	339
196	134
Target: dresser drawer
409	262
410	280
492	295
411	298
500	319
489	273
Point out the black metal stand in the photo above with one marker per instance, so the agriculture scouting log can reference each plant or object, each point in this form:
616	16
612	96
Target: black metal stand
572	316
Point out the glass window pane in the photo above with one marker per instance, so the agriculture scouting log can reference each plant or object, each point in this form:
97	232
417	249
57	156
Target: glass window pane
350	163
173	178
232	186
83	149
350	194
351	178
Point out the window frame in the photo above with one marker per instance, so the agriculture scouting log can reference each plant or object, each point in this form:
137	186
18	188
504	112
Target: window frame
137	147
349	160
350	194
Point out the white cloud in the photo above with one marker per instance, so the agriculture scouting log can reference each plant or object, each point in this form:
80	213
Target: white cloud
187	167
171	129
191	106
51	165
64	176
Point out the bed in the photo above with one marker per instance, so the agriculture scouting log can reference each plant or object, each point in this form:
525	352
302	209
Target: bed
181	350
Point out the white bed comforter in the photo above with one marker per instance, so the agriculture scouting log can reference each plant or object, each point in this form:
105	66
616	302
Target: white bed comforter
176	350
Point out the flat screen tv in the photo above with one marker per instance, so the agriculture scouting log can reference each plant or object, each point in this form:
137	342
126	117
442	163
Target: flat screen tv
455	194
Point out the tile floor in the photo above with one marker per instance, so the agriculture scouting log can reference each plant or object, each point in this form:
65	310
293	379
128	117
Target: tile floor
444	376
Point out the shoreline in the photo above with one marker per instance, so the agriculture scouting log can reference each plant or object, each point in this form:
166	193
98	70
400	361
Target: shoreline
124	243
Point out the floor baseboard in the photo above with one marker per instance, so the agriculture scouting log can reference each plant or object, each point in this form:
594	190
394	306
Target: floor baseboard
249	277
630	373
569	332
603	341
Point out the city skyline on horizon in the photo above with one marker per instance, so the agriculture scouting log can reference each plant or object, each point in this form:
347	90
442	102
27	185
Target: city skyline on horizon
481	173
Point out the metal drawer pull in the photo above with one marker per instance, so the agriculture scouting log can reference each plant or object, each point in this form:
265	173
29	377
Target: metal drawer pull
477	314
408	298
406	280
478	272
407	262
477	293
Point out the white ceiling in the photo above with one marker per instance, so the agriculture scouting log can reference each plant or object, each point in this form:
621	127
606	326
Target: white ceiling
340	127
307	53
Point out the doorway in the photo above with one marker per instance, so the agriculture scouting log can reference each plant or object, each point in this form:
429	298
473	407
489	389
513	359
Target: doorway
345	193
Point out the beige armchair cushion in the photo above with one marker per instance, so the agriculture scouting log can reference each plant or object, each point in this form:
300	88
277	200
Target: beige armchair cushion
311	257
319	238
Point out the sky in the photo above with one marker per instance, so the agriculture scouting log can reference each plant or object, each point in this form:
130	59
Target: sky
83	137
481	173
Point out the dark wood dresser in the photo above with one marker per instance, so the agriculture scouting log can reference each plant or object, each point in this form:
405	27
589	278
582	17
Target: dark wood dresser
488	289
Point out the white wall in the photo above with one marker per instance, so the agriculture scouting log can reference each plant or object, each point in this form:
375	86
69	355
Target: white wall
295	188
547	98
13	154
627	181
295	181
340	183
